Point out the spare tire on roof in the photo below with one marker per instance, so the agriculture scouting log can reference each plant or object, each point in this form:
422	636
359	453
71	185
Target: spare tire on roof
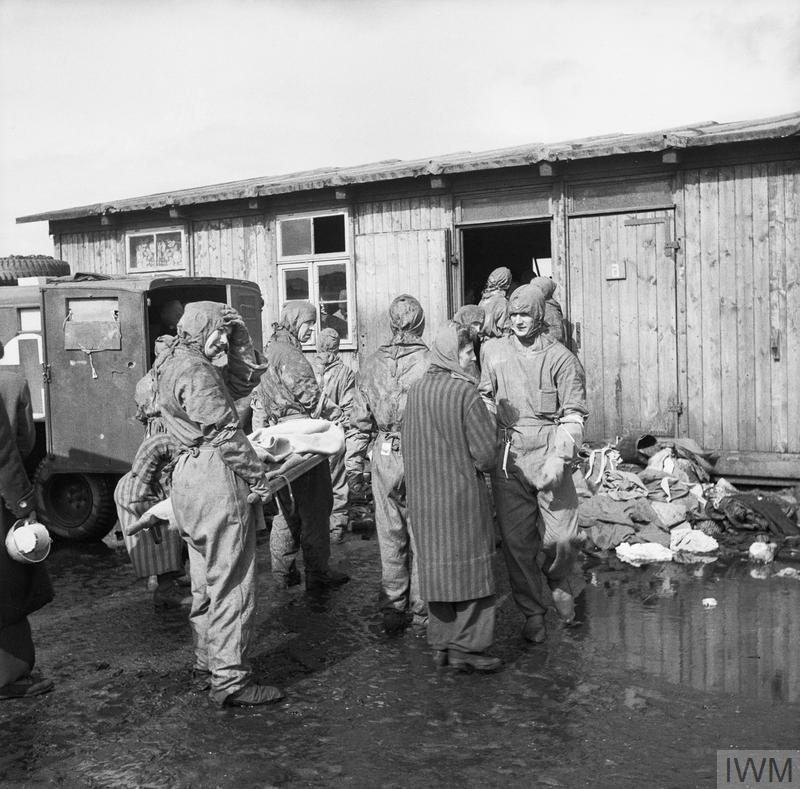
16	266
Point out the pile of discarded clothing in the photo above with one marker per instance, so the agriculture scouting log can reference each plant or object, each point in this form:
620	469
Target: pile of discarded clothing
653	500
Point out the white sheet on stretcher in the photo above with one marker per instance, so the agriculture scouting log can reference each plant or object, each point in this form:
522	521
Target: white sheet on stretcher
273	444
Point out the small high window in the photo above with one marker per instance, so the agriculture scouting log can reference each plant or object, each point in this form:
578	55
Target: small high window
163	249
315	263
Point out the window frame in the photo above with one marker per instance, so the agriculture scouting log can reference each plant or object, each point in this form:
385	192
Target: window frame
311	264
154	232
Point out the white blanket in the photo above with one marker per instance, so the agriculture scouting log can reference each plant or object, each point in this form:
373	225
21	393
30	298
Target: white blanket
273	444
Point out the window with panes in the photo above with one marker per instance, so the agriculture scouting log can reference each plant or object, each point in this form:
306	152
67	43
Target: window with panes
314	263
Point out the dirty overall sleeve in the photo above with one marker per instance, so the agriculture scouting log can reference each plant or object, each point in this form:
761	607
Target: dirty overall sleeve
571	383
362	424
15	487
245	364
202	397
488	383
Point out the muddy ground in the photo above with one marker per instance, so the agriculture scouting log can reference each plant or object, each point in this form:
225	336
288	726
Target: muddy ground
641	695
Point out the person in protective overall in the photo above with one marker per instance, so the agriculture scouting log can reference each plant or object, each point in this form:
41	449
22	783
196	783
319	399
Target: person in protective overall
289	390
382	386
495	303
214	475
553	315
449	440
337	382
538	391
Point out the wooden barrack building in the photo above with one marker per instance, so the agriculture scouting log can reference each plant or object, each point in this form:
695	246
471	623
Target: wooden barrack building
676	254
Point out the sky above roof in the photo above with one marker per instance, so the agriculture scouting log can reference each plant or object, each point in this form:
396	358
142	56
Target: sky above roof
103	100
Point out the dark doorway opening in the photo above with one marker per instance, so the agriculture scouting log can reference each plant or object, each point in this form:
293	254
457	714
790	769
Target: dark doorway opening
523	248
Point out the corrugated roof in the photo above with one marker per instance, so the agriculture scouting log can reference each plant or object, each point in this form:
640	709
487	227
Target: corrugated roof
694	135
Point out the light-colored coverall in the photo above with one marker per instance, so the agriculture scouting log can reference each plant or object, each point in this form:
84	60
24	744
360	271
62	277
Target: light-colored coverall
381	389
532	388
337	382
210	485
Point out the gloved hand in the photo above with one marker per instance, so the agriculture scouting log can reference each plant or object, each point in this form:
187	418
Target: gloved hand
569	439
259	492
235	327
551	474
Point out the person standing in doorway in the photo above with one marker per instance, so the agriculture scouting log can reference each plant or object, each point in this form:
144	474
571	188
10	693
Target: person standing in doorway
495	303
381	390
553	315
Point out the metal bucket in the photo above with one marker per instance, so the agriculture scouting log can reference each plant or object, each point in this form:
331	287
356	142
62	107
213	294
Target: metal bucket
634	448
28	543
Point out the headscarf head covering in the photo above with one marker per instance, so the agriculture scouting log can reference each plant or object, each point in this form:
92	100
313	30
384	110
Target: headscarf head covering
407	318
529	300
498	281
546	285
295	313
469	314
447	343
329	340
199	320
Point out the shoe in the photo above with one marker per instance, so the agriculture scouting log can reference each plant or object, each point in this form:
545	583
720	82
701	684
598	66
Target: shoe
253	695
327	580
564	603
171	595
337	535
439	658
535	629
201	679
394	621
466	661
32	685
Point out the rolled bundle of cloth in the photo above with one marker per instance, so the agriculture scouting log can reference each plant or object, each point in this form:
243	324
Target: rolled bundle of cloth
273	444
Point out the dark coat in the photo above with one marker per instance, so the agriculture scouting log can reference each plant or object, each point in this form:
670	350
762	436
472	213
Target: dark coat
16	397
448	439
24	588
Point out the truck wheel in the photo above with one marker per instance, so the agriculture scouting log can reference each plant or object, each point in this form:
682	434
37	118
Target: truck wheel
30	266
74	506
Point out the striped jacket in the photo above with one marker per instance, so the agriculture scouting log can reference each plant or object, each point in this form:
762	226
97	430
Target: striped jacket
135	493
448	439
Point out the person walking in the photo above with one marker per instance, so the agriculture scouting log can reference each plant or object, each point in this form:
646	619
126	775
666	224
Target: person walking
381	389
289	390
449	440
215	473
537	389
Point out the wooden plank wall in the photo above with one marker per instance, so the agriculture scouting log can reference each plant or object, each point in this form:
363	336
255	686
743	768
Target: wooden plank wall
742	294
401	247
100	252
241	248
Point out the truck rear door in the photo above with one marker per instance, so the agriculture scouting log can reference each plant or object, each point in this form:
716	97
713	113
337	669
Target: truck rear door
247	301
95	351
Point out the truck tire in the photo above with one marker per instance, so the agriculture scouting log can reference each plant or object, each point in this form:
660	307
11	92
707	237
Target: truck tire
74	506
15	266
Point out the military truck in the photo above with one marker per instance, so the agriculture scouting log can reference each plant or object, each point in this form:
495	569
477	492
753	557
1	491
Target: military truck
83	342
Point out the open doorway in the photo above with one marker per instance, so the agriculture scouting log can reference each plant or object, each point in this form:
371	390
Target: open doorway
524	248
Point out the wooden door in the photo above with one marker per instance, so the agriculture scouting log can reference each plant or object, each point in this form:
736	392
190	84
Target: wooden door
389	264
623	320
